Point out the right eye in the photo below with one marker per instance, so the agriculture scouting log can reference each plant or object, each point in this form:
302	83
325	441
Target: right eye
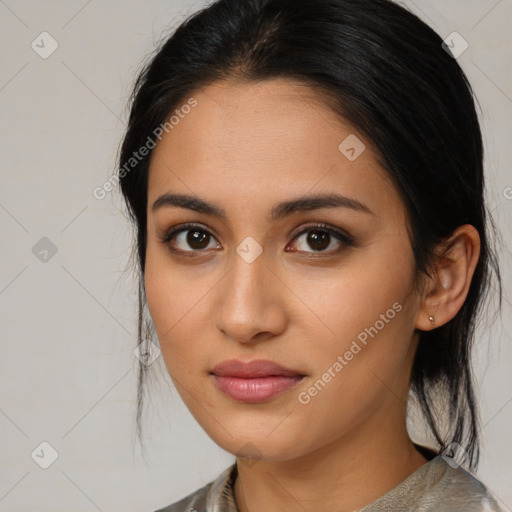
188	238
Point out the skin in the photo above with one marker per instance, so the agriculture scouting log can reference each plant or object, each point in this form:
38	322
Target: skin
246	147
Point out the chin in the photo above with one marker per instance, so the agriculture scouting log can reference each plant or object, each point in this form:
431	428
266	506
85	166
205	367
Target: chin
259	445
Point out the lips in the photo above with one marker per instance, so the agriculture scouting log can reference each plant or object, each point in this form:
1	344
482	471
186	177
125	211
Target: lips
254	381
253	369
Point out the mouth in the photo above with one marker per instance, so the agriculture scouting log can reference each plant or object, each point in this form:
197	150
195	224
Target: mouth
254	381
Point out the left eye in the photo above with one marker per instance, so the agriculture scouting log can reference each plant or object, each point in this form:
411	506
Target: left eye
320	240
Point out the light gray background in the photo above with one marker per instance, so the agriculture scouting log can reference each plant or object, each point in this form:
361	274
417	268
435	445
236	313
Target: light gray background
68	325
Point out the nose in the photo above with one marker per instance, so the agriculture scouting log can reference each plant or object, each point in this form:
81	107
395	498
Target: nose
251	302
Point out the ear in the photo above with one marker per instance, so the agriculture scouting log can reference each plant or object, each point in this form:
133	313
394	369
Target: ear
445	292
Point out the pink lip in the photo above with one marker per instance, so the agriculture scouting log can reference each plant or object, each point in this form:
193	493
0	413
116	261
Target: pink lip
254	381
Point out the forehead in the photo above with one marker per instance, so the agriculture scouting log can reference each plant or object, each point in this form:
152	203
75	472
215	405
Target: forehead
244	142
256	121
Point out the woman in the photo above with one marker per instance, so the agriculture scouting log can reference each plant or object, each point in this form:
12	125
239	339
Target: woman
306	183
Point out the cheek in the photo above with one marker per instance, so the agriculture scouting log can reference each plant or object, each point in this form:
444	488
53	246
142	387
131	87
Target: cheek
168	291
366	362
364	315
355	295
176	303
157	283
164	298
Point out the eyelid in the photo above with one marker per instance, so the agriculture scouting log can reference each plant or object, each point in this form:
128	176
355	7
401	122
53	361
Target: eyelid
322	226
169	234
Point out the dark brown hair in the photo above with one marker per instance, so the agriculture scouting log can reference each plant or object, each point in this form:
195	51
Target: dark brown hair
387	73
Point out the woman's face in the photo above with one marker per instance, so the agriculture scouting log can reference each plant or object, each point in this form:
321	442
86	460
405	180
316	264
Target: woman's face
262	282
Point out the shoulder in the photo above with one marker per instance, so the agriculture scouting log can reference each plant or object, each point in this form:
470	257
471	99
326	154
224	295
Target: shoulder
437	486
456	489
208	496
195	501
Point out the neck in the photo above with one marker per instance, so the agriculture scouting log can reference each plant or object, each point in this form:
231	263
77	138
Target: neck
342	476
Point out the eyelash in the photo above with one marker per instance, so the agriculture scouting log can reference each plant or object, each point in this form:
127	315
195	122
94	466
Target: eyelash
346	240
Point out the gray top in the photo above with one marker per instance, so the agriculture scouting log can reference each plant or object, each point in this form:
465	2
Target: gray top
435	487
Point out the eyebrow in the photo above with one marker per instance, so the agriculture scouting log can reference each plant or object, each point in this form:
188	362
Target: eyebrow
279	211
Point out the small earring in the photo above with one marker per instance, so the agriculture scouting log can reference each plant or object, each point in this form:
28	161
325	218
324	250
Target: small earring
432	320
